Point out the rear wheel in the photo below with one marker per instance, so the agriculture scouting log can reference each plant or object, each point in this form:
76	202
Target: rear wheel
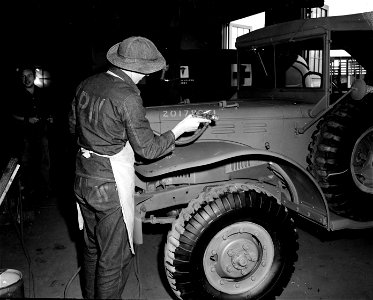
240	245
341	157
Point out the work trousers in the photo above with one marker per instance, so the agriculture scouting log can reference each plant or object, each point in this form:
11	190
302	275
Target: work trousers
107	253
35	169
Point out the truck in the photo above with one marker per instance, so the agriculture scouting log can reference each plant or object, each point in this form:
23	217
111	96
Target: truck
295	139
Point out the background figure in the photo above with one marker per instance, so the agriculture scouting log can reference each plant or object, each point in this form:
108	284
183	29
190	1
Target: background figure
32	115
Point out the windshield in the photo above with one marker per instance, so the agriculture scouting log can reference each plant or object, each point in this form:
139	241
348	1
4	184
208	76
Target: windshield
290	65
285	65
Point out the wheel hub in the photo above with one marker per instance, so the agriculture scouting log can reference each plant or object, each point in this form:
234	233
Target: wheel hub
238	257
362	162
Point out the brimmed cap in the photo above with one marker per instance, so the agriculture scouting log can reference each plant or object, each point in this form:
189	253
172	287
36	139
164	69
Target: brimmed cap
136	54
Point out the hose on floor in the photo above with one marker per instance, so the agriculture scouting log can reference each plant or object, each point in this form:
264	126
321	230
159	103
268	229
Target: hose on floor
70	281
137	271
137	274
18	222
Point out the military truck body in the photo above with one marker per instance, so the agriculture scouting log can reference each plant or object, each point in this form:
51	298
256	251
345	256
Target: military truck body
269	113
296	139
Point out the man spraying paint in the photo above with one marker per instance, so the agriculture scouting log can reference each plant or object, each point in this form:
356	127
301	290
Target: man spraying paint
110	124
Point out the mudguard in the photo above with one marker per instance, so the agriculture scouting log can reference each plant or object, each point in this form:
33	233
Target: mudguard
307	198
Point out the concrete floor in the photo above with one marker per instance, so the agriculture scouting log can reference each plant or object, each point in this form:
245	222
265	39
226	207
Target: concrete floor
332	266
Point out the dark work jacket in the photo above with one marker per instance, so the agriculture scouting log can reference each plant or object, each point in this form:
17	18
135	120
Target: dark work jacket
29	105
106	113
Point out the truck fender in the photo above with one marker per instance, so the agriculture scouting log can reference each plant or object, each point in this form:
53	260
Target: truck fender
306	197
297	190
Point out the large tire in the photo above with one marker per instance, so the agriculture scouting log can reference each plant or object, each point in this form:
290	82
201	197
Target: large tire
340	159
239	244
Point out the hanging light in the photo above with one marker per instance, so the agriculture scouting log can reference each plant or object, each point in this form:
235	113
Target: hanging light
42	78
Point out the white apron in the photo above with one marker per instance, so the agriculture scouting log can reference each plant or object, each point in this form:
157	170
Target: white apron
122	164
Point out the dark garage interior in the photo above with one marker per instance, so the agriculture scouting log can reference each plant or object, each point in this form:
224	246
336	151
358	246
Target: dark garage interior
70	40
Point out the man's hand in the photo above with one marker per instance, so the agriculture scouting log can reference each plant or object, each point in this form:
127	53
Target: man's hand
189	124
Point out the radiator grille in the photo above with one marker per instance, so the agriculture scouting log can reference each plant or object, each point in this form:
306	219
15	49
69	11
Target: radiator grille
237	165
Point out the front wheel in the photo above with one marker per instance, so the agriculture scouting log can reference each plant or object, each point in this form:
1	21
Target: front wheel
240	245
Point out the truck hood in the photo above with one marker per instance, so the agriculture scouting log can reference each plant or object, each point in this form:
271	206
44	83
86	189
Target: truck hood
233	109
